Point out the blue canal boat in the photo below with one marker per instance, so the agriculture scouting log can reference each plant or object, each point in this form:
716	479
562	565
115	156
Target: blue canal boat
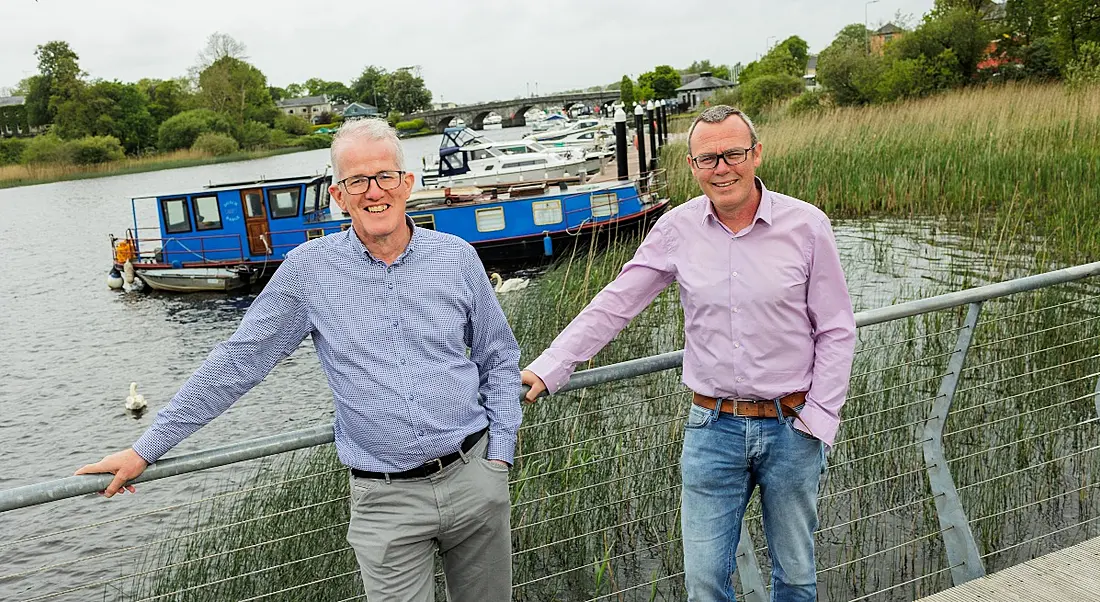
229	236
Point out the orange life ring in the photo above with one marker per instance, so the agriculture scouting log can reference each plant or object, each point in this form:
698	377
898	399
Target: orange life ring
124	250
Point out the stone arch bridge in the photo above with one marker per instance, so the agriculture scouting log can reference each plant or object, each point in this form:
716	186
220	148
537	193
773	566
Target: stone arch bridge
510	110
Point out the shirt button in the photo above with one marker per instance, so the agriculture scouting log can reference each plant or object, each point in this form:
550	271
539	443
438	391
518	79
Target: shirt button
421	433
396	324
735	273
737	345
402	361
737	310
740	379
389	286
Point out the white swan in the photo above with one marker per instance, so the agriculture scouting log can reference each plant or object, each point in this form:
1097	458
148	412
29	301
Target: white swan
506	286
136	401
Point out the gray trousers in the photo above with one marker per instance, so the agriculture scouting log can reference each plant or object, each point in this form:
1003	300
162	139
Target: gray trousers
463	510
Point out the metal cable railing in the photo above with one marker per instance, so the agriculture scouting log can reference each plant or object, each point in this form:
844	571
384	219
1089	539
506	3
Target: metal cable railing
595	488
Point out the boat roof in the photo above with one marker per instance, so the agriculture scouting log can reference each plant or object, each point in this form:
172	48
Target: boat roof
261	182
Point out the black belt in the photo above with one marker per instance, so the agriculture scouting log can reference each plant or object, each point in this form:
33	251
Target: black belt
429	468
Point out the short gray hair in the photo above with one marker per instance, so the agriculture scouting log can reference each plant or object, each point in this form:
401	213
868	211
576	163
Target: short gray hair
370	129
718	114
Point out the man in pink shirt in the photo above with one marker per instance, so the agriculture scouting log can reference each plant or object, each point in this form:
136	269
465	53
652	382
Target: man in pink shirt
770	335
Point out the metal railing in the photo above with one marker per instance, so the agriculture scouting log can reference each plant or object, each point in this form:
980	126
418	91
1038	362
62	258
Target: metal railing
969	443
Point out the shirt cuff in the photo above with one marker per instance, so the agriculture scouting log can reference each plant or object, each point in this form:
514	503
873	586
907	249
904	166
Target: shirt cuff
818	423
150	447
555	374
501	447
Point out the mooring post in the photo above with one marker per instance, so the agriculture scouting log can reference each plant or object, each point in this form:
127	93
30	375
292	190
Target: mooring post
666	104
657	122
639	137
620	144
652	135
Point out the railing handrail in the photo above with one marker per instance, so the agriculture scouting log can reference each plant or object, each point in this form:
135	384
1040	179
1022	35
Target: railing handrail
58	489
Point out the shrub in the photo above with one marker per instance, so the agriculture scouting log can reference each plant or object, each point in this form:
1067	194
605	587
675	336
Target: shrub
215	143
181	131
807	102
314	141
726	96
413	125
47	148
253	135
96	149
11	149
766	90
292	124
1084	71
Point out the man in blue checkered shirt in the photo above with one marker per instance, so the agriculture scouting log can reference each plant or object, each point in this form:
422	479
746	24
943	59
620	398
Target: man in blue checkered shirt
424	372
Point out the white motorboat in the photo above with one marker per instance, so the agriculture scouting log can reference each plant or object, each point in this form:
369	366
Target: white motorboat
492	122
467	159
190	280
552	122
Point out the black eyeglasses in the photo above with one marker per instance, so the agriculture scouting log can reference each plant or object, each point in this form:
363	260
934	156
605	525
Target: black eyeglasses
734	156
387	180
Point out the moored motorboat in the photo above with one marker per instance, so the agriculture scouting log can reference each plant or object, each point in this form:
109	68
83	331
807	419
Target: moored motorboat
466	159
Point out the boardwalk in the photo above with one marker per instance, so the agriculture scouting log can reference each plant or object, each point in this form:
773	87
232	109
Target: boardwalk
1068	575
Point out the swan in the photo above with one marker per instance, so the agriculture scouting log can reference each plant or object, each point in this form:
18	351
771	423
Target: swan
506	286
136	401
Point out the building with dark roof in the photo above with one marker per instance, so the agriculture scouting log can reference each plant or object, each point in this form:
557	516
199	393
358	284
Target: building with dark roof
693	93
306	107
883	35
13	117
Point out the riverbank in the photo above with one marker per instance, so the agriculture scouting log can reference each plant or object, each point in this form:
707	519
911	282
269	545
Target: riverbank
1027	157
12	176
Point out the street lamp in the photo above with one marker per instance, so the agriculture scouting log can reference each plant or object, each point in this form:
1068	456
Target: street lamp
866	27
768	44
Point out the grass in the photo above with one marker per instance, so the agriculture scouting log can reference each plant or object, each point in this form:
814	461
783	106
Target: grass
26	175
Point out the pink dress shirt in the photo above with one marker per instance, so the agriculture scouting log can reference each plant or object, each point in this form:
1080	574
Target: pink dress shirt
766	309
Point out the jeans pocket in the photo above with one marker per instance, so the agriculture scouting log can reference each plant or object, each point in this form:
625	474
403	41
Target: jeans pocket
698	417
790	424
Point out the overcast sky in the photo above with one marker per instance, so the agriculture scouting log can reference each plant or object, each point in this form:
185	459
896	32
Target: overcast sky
467	50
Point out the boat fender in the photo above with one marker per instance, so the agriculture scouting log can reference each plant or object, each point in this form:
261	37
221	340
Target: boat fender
128	272
114	279
547	245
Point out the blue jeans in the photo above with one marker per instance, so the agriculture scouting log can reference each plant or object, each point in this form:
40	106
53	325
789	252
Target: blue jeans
724	458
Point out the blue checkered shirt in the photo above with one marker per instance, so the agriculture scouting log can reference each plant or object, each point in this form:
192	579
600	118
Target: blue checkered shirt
418	354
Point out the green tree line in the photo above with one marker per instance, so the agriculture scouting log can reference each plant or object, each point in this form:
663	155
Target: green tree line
225	104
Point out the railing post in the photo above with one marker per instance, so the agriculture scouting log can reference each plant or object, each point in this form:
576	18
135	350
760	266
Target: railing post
748	569
1097	398
639	136
958	539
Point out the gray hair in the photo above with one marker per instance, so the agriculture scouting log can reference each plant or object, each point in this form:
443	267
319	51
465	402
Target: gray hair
718	114
366	130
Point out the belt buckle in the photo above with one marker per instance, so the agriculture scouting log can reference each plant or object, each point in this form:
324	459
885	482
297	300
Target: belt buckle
438	464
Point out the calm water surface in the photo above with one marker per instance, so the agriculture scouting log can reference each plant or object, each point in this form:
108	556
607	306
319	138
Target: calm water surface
69	346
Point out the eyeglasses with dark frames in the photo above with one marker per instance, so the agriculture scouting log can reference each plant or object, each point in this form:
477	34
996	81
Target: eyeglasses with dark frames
733	156
386	180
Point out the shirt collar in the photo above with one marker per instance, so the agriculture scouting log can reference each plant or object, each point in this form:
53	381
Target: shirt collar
763	212
361	249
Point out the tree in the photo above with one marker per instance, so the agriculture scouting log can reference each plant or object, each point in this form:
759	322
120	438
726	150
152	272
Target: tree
59	79
847	70
237	90
181	131
789	57
626	91
109	109
959	29
662	81
218	46
767	90
167	97
370	88
335	91
720	71
406	92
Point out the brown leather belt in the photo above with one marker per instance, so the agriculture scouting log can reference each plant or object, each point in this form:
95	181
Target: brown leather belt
753	408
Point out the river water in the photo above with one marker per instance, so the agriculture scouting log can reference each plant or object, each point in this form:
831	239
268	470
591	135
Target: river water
69	346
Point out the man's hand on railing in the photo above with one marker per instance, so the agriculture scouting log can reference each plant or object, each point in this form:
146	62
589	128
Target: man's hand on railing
532	380
126	465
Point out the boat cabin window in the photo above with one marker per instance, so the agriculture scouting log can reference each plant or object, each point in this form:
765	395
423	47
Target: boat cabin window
480	154
515	164
490	220
254	204
309	204
605	205
283	201
424	221
547	212
208	215
174	215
